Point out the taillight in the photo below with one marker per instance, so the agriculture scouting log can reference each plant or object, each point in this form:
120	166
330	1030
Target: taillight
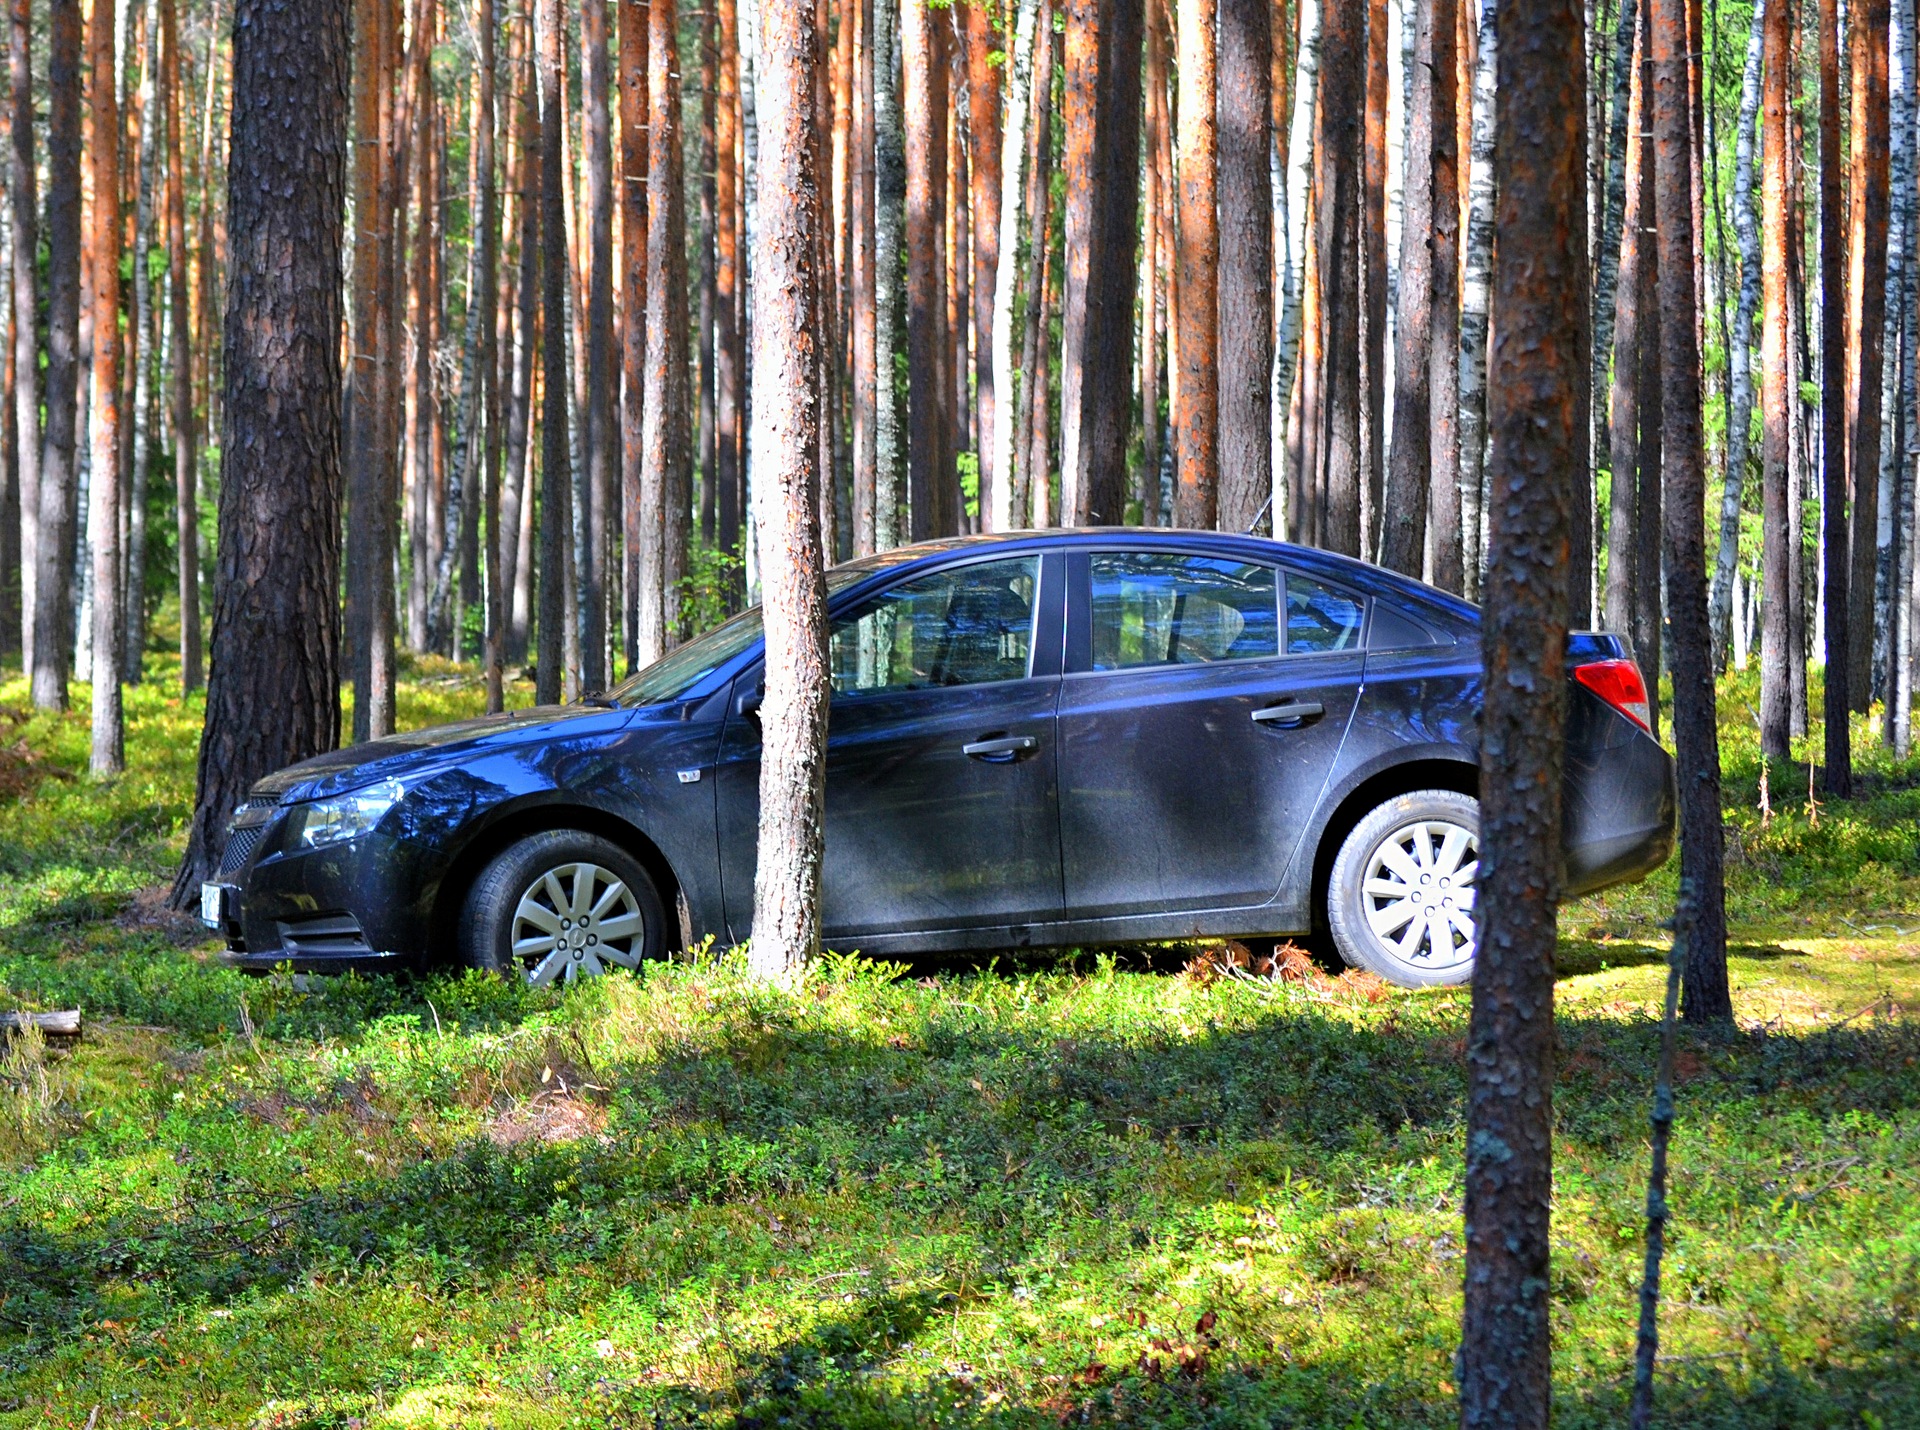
1619	683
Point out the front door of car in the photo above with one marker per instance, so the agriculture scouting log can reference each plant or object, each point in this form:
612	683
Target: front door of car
1197	727
941	758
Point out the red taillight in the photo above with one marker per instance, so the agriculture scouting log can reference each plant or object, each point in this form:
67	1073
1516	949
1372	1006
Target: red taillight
1618	682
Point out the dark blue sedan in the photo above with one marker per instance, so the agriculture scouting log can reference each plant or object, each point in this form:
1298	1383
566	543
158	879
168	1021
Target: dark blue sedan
1053	738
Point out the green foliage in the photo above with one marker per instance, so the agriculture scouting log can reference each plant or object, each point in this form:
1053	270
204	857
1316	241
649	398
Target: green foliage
1069	1189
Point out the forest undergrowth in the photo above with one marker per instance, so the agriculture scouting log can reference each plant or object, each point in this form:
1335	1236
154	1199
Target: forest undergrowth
1086	1188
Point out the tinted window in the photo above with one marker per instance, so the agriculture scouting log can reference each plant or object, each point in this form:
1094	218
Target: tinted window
1161	608
1319	618
967	626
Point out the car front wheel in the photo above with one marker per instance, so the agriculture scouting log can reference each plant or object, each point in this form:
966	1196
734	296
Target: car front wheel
1400	901
561	905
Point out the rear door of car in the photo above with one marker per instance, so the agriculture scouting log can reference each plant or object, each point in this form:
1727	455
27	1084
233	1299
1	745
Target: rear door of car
1204	703
941	756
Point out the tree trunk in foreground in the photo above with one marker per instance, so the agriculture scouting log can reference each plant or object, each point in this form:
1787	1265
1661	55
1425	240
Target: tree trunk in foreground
103	505
273	695
1535	411
1696	733
786	445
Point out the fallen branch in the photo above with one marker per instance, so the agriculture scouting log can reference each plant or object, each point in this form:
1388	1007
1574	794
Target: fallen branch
63	1024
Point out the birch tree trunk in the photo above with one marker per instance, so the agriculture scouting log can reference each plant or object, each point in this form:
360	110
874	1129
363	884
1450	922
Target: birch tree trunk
1740	349
1287	343
24	231
1029	497
1899	458
1836	563
180	361
1775	696
890	197
103	513
1013	144
140	347
1473	325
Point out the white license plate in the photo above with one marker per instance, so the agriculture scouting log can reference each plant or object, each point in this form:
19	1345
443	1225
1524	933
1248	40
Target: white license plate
213	905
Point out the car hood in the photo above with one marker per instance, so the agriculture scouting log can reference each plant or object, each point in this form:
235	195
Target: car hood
418	752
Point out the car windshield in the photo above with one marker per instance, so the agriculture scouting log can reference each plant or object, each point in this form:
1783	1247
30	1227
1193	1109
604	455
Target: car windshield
678	672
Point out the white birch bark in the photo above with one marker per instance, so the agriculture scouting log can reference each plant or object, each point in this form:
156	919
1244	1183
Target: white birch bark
1740	355
1474	293
1286	351
890	197
1898	451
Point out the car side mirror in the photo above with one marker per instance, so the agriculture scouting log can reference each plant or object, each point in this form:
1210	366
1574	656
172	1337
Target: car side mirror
748	702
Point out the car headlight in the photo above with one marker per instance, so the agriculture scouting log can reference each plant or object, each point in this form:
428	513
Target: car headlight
346	816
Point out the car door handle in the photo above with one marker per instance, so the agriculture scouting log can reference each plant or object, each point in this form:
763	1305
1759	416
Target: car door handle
1002	750
1296	713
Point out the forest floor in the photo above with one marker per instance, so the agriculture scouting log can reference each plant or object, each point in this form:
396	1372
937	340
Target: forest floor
1082	1189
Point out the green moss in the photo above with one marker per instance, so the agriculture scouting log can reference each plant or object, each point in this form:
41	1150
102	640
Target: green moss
1068	1187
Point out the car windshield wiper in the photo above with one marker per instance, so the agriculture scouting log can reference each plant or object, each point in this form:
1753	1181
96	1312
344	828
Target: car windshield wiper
604	702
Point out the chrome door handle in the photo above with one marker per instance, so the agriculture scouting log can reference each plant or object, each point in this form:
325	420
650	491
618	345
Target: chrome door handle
1299	712
1001	750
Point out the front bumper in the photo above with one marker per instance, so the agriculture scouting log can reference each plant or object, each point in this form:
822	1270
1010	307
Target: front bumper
362	903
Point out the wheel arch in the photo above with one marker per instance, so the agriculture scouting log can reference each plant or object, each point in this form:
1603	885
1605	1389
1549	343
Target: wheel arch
539	817
1426	772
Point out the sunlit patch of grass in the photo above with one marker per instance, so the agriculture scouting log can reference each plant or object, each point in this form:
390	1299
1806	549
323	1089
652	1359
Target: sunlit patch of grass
1082	1188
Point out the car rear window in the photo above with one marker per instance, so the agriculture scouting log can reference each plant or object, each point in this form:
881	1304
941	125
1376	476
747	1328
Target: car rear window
1164	608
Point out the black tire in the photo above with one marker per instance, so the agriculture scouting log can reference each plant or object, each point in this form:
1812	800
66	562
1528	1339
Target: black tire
623	925
1430	912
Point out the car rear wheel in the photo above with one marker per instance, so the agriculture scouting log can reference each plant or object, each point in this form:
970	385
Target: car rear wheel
1400	901
561	905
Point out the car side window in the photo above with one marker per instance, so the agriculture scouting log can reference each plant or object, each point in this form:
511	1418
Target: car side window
1320	618
1165	608
969	625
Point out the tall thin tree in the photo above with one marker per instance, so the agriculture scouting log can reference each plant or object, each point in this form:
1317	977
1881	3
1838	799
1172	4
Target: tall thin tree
1775	379
24	229
1196	412
556	476
104	406
1245	311
1835	551
666	445
1337	159
1865	329
634	57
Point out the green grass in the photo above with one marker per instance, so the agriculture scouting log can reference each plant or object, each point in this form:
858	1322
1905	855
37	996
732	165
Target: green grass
1085	1189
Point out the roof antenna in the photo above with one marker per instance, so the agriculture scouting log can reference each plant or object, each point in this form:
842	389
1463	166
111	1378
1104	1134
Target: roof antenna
1259	516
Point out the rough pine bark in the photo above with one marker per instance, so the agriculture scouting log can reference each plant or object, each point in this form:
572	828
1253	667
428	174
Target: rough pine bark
556	477
1646	597
1535	409
1608	257
1029	495
1196	409
729	319
786	417
108	755
1775	376
1866	329
1740	346
24	230
1245	306
1101	113
136	388
923	102
1705	995
1835	554
1337	160
273	694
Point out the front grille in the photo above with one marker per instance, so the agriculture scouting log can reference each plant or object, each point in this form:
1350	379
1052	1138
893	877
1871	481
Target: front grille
262	801
240	844
329	934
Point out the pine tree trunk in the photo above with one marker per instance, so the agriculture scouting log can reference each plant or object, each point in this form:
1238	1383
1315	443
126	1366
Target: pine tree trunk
1403	526
273	696
997	419
1623	557
665	445
1029	495
516	516
709	275
556	477
890	198
1866	329
786	915
730	330
923	100
1101	115
103	512
1338	177
1474	326
418	499
1608	259
1740	349
1835	554
1373	278
1196	489
24	231
1647	594
1245	304
1705	996
1535	412
984	160
1775	376
863	380
141	346
181	430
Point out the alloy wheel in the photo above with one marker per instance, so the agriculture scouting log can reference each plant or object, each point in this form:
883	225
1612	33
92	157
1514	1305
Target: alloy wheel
573	921
1418	893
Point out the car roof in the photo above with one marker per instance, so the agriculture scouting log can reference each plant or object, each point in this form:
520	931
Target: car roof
1374	580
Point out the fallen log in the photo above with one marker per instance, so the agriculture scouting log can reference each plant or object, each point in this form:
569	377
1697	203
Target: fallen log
62	1024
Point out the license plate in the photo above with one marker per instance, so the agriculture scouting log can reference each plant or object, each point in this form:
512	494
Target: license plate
213	905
